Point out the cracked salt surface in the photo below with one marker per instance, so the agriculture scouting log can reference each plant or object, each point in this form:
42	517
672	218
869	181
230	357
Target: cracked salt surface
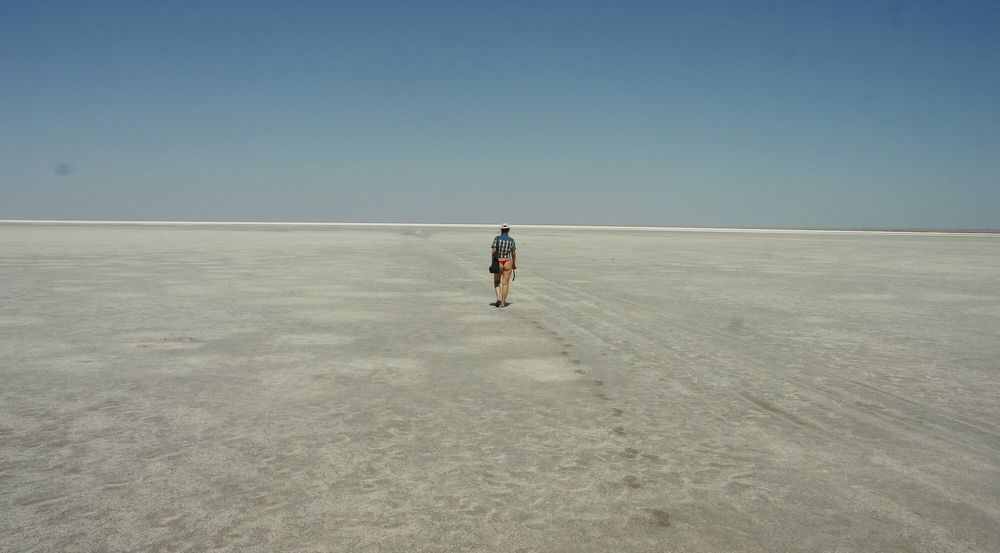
349	388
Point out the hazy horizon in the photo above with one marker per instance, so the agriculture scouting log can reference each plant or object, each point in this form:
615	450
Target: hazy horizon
151	222
778	115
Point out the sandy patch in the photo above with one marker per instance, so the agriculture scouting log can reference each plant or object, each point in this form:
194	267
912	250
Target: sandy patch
308	340
334	315
863	297
552	369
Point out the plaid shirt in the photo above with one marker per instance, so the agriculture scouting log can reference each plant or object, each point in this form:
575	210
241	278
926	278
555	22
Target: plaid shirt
504	245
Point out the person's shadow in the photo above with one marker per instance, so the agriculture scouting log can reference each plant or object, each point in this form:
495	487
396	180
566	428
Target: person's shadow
495	304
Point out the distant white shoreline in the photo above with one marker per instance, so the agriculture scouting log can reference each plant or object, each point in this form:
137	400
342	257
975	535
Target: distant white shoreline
492	225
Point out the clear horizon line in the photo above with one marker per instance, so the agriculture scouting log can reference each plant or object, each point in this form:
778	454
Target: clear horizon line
664	228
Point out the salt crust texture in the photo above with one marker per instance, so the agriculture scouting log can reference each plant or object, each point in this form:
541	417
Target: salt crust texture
306	389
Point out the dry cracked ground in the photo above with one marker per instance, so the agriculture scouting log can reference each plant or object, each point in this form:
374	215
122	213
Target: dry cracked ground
299	389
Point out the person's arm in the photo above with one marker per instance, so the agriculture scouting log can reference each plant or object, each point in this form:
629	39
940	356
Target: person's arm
513	260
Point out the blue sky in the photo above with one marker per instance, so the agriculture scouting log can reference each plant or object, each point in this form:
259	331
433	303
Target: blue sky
784	114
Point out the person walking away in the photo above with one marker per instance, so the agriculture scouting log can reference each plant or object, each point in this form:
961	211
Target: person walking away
506	251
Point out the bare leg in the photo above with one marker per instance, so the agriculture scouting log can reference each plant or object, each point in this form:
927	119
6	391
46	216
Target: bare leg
505	287
496	287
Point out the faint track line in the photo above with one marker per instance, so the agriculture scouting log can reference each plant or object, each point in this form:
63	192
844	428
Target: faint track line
679	348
